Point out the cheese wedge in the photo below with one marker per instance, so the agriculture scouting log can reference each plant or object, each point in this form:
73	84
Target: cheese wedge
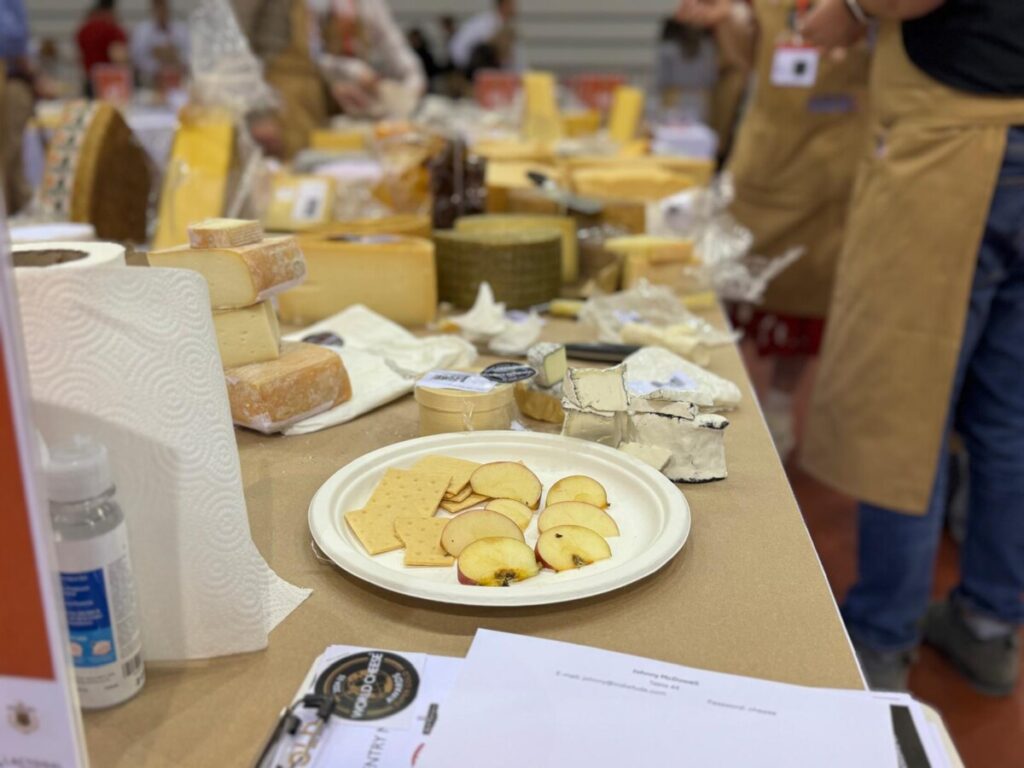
697	445
305	380
247	335
597	389
523	222
224	233
392	275
548	359
240	277
605	428
626	111
540	404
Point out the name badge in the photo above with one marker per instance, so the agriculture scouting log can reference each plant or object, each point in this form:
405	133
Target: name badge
795	66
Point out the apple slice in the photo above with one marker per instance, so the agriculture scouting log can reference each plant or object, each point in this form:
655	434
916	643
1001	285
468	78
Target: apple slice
496	562
462	530
516	511
577	513
571	546
578	488
507	480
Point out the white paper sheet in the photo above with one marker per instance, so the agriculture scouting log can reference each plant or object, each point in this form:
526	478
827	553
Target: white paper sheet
550	703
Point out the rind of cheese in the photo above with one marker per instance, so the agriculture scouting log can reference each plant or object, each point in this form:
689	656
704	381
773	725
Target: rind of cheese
549	360
697	445
224	233
656	364
305	380
597	389
540	404
243	276
247	335
566	227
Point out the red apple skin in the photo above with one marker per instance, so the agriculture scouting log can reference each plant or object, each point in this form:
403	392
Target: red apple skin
464	579
543	564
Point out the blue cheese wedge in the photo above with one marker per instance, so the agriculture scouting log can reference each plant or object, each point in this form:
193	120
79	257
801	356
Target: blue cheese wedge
597	389
549	360
697	445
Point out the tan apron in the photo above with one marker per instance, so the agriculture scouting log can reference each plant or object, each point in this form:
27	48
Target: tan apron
917	218
305	102
794	165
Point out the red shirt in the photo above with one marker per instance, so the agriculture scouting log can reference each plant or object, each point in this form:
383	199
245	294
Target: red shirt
95	36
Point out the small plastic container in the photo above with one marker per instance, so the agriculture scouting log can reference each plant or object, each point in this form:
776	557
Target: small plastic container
457	410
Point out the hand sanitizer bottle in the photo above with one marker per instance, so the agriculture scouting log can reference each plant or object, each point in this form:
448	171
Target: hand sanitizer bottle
96	573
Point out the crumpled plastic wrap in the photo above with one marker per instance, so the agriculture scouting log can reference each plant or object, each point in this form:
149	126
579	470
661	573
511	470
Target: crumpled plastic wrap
488	323
722	243
225	73
652	315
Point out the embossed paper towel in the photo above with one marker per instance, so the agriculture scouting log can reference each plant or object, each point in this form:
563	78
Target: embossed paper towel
129	355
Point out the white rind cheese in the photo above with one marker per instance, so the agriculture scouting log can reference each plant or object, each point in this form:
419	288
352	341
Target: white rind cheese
708	390
597	389
652	455
604	428
549	360
697	445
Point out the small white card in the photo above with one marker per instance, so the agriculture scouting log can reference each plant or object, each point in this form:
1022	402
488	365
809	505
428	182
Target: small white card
795	66
310	199
467	382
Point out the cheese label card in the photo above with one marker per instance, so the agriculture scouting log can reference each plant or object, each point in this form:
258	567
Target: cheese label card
466	382
310	200
795	66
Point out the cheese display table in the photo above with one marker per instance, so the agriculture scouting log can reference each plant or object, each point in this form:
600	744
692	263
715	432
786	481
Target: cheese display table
746	595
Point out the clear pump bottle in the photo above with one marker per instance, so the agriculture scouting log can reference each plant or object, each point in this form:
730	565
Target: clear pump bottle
96	574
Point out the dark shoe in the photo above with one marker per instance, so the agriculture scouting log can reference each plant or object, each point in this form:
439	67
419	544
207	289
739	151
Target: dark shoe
991	666
884	670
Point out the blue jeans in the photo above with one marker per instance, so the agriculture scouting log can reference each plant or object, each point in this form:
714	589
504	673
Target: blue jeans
897	552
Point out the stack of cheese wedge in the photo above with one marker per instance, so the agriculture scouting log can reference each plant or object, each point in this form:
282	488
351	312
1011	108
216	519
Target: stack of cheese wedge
271	385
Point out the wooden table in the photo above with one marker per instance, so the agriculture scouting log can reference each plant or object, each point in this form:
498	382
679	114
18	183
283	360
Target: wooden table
747	595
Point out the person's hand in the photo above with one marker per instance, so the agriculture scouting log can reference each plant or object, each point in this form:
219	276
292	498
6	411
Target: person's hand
703	13
352	96
267	130
830	25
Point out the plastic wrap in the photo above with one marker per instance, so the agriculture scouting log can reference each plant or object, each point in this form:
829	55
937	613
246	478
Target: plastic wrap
723	244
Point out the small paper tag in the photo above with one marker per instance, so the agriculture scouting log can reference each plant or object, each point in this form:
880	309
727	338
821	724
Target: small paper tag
626	316
677	380
795	66
466	382
310	199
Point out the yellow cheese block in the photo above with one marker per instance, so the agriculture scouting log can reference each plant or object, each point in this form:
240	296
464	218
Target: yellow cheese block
299	202
339	141
196	179
409	224
699	169
247	335
514	149
659	260
305	380
541	120
582	123
224	233
240	276
642	185
540	404
624	116
392	275
564	225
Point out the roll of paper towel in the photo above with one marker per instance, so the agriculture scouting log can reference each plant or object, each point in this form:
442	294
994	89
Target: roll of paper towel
129	356
66	255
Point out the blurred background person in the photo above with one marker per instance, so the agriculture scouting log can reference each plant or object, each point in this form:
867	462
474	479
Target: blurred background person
793	165
16	102
322	60
425	53
101	40
159	46
925	334
702	68
488	41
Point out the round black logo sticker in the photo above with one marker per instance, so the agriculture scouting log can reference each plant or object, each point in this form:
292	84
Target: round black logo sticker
370	685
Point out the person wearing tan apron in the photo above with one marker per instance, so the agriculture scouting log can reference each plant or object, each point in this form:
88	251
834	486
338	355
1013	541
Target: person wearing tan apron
793	167
926	332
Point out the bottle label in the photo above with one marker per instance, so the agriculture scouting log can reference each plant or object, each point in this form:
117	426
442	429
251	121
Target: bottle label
101	610
88	612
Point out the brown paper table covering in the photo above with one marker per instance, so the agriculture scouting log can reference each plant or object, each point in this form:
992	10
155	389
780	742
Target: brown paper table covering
747	595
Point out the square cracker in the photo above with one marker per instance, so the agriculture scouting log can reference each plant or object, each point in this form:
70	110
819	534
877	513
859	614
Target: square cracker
459	470
376	533
401	493
422	539
408	493
457	506
461	495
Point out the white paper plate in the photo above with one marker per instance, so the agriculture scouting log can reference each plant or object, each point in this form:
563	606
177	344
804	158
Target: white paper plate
652	514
